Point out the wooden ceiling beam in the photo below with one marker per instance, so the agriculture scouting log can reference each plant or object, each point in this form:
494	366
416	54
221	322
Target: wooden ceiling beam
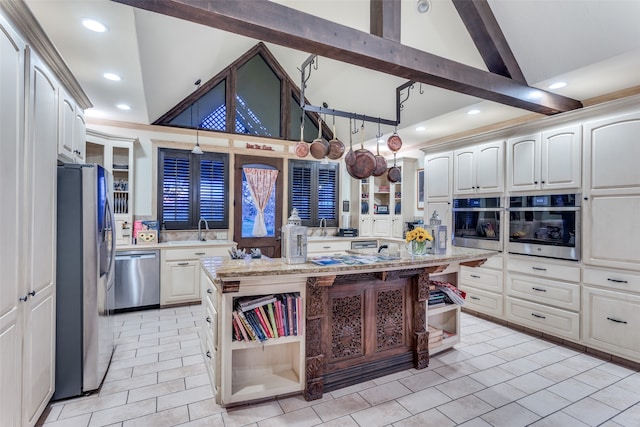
385	19
487	35
271	22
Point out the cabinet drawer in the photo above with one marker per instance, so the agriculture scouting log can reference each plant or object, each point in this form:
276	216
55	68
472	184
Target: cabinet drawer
611	321
483	301
559	294
616	279
211	323
481	278
544	269
194	253
555	321
317	247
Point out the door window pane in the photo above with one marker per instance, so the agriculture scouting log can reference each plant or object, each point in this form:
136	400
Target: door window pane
250	210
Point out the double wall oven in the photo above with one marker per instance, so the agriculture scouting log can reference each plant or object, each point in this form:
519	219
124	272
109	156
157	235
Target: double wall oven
545	225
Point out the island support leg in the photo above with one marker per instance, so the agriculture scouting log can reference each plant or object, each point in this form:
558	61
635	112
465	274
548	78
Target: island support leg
421	334
317	300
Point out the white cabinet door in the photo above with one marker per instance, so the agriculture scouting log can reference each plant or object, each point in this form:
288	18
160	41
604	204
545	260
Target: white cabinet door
464	180
11	217
561	160
67	111
397	227
381	226
489	168
41	165
478	169
611	155
523	163
438	170
79	135
180	282
366	226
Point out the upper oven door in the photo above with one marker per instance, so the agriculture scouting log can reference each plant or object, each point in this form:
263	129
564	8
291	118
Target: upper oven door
477	223
545	225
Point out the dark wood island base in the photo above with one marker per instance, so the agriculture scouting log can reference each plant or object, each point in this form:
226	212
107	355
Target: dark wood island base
364	326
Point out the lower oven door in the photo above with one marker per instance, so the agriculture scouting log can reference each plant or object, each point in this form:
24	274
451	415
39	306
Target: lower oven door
553	233
477	228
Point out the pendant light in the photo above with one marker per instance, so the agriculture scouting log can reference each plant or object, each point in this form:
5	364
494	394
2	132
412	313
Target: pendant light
197	149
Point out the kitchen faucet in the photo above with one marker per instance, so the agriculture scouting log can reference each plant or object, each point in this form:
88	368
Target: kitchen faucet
323	226
206	224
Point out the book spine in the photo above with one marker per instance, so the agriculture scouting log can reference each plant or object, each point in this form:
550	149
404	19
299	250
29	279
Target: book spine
272	320
255	313
278	316
247	326
237	336
251	317
299	314
250	305
240	325
285	318
290	313
264	320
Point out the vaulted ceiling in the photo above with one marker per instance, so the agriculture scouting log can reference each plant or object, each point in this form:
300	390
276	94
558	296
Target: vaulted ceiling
594	46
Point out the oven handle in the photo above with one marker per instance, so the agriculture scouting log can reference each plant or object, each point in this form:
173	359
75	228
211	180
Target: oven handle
546	209
477	209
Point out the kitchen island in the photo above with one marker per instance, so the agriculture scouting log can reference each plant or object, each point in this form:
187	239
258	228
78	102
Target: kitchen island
361	317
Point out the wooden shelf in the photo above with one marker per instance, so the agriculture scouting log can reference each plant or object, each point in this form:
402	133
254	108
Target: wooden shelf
241	345
441	309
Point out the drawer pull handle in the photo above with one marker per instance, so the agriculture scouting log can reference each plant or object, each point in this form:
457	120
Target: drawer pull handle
209	291
182	264
475	276
539	316
208	354
200	253
538	289
539	268
616	320
474	298
326	247
208	319
617	280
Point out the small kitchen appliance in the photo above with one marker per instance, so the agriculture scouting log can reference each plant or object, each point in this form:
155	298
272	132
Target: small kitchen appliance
294	240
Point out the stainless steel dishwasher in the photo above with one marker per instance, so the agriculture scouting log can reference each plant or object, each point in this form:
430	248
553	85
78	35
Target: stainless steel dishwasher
137	281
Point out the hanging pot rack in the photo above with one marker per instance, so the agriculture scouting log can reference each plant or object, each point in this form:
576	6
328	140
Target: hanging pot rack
311	63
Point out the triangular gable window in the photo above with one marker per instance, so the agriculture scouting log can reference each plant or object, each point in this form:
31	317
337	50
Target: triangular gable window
252	96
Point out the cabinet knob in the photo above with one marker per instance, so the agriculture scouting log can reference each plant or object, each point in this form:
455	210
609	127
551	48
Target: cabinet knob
24	298
209	291
32	293
535	182
208	354
586	198
542	182
208	319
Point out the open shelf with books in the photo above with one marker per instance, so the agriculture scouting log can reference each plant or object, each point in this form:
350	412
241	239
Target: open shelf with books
258	362
443	314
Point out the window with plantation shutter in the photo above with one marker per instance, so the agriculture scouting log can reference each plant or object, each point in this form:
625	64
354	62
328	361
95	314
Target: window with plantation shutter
314	191
191	187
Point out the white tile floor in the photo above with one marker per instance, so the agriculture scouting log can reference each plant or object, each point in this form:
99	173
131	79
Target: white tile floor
496	377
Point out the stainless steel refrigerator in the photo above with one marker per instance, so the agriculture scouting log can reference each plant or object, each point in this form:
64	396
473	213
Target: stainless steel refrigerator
85	296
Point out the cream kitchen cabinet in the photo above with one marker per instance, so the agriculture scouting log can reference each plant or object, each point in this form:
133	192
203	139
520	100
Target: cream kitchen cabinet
180	272
544	294
484	287
28	130
612	192
71	131
438	186
545	161
325	246
116	154
479	169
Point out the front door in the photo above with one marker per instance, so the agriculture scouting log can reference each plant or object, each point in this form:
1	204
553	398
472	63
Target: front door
258	204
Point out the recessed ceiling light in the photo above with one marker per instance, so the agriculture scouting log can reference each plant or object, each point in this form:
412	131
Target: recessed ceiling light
94	25
123	107
557	85
420	128
474	111
381	140
112	76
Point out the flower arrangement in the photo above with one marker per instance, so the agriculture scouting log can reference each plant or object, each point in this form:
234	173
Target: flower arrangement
417	240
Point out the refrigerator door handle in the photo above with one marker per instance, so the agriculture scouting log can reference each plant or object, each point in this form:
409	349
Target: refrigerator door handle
109	228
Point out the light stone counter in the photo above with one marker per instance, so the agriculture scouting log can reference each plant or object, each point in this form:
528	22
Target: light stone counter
177	244
224	269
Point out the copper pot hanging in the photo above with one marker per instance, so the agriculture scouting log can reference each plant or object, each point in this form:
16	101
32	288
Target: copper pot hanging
365	161
393	174
350	158
336	147
394	142
381	163
301	148
319	147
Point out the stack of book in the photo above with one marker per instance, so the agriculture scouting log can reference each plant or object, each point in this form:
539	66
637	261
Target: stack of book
268	316
454	294
435	336
437	298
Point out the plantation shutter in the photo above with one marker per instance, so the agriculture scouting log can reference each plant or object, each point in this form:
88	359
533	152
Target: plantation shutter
300	185
327	191
212	190
314	191
175	190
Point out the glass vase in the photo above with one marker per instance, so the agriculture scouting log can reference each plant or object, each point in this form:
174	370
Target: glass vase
417	248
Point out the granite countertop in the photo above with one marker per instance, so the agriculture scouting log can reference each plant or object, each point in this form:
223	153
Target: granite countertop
233	269
176	244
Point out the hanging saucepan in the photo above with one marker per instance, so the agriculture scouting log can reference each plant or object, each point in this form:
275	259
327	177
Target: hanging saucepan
393	174
350	158
336	147
381	163
302	148
394	142
319	147
365	160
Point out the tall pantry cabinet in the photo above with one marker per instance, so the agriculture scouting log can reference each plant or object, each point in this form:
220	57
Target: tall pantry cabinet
29	124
